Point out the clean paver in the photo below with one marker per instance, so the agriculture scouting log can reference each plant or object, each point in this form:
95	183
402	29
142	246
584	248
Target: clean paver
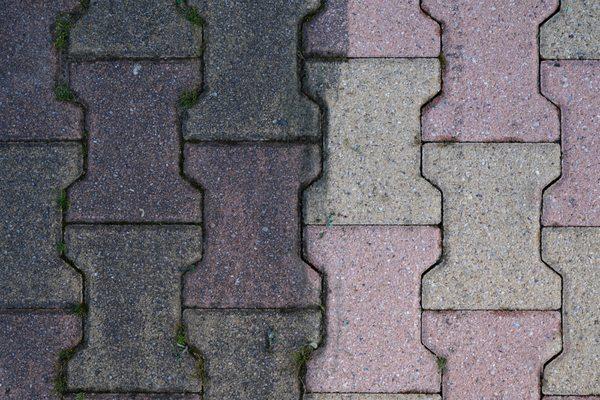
372	28
353	396
492	354
492	201
488	96
575	199
373	311
371	173
575	254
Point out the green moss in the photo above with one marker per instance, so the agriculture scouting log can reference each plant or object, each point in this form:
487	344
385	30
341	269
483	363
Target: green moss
180	337
188	99
61	247
443	61
80	396
63	201
61	32
62	92
441	364
192	15
85	4
79	309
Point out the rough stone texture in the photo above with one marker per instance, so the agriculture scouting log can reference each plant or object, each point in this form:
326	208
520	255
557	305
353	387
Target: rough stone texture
30	343
252	219
134	144
119	396
575	254
373	313
133	278
251	89
372	168
32	274
487	96
252	354
492	354
575	199
571	398
372	28
492	199
573	32
134	29
340	396
28	66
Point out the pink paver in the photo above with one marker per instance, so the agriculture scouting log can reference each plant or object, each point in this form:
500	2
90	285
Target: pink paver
571	397
373	28
373	311
575	199
492	354
490	91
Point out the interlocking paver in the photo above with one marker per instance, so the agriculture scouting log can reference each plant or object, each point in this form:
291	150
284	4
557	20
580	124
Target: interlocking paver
88	396
334	396
134	144
252	354
571	397
372	166
575	199
575	254
492	201
134	29
252	218
32	273
373	335
251	73
492	354
574	32
487	95
30	343
133	280
372	28
28	66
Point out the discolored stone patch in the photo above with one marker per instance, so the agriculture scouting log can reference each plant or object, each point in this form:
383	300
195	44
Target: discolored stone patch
373	313
490	91
32	274
492	200
29	64
373	151
349	396
372	28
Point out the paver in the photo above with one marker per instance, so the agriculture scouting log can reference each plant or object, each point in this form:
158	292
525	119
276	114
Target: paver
372	165
333	396
487	96
252	218
91	396
492	354
571	397
29	64
372	28
575	199
492	201
373	311
575	254
573	32
133	280
134	145
30	343
252	354
32	274
251	89
134	29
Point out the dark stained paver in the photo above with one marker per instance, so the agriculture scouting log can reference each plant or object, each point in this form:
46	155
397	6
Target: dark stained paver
252	222
133	280
30	343
252	354
32	273
251	89
28	64
133	145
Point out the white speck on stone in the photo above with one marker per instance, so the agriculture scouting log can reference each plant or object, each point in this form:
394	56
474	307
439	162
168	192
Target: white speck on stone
136	69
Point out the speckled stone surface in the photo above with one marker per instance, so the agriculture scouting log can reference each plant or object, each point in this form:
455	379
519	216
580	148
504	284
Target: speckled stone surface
251	89
30	343
252	226
571	397
252	354
574	32
492	354
350	396
373	311
372	147
32	274
134	29
28	64
372	28
575	199
134	146
490	91
492	201
89	396
133	280
575	254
